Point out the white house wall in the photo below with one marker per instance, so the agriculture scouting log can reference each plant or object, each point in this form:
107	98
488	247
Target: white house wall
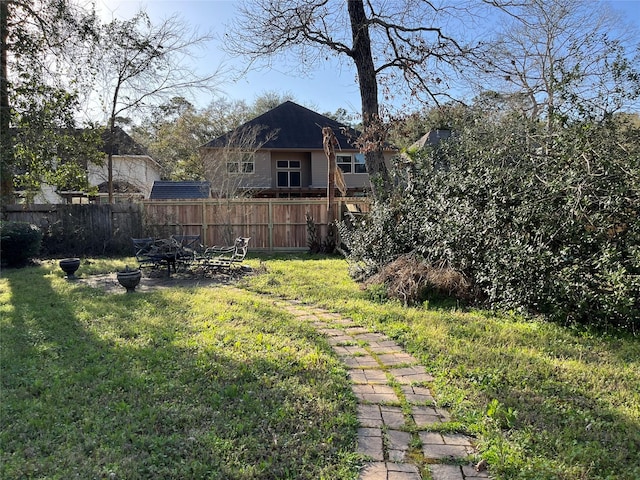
138	170
47	195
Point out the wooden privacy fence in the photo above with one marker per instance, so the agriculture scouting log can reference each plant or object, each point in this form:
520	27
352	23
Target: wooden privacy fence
274	224
82	229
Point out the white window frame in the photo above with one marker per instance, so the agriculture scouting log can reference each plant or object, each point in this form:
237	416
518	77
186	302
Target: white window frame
351	163
245	164
288	167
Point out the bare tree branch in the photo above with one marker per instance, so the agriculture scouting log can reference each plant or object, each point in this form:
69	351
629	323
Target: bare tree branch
142	63
401	43
554	52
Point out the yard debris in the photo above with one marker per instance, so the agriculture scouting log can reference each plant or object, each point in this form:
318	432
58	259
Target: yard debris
411	279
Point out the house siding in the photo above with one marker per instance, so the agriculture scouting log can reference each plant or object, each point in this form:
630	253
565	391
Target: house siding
319	171
261	177
226	184
137	170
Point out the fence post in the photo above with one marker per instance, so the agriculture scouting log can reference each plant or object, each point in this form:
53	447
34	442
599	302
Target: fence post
204	227
270	224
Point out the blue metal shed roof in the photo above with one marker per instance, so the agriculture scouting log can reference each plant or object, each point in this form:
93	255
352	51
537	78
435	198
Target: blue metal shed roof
164	190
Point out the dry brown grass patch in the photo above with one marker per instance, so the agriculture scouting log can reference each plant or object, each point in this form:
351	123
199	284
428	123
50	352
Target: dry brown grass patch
411	279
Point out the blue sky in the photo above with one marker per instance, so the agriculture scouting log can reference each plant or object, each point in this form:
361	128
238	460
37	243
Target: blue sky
325	89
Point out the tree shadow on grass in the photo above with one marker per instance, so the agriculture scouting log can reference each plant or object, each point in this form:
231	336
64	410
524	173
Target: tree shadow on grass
97	385
595	434
574	398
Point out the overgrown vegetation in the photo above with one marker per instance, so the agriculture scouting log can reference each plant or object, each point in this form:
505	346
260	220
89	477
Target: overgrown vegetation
412	281
541	224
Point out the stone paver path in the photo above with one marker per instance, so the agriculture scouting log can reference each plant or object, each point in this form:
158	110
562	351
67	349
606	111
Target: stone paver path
396	410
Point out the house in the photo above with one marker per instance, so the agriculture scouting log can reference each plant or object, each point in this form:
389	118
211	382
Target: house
432	138
180	190
134	171
133	174
281	154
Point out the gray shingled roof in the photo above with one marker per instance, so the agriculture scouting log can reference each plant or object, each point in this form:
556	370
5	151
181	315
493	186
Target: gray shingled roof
122	143
432	138
297	128
163	190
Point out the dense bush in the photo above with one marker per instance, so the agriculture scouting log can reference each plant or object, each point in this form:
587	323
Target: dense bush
543	223
19	242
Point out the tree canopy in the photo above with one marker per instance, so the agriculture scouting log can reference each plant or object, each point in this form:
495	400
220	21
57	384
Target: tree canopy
555	59
56	57
45	59
142	63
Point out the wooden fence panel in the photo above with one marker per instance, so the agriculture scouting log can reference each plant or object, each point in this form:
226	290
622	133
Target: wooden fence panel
74	230
171	218
272	223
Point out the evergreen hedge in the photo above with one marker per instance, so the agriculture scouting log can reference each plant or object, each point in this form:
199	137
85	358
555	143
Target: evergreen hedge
547	224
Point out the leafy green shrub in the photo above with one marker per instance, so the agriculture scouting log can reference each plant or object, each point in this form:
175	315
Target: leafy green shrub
539	223
19	242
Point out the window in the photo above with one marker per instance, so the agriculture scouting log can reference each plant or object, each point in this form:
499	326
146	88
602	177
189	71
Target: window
344	162
351	163
243	163
359	165
288	174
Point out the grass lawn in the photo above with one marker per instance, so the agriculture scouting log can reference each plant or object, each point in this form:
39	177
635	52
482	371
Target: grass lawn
216	383
183	383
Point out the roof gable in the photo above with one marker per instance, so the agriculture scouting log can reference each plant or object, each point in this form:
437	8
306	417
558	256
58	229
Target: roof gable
296	127
121	143
432	138
163	190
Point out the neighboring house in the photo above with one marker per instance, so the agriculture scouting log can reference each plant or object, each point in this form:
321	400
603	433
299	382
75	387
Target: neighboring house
280	154
134	173
180	190
432	138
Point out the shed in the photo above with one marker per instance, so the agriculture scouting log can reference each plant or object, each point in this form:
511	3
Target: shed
166	190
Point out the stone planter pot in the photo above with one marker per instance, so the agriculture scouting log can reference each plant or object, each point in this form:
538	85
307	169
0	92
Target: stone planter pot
69	266
129	279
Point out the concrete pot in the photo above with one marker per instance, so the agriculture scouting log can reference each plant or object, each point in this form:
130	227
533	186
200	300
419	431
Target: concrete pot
129	279
69	266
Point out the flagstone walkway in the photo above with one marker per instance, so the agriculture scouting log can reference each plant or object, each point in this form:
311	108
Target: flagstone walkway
396	411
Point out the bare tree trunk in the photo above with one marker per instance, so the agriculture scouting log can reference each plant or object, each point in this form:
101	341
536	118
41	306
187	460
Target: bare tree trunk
110	143
329	139
361	55
6	150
